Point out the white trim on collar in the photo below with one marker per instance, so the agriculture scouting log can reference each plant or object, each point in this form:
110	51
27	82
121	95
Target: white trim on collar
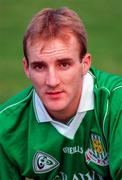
87	97
86	104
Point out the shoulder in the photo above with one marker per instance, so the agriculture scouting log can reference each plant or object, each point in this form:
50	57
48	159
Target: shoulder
108	95
108	92
108	98
107	88
12	109
106	80
17	99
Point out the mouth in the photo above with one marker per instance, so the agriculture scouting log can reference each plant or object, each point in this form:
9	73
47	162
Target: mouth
55	94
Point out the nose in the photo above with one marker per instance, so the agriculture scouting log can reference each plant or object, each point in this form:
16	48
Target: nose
52	78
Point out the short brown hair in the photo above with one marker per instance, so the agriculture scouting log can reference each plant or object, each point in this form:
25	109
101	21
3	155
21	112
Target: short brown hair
50	23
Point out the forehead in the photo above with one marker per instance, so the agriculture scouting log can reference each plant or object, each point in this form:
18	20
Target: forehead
54	46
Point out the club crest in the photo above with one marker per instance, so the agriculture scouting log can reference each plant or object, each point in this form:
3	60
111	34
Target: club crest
43	162
96	153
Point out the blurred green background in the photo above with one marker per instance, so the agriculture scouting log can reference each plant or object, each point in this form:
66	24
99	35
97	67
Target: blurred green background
103	21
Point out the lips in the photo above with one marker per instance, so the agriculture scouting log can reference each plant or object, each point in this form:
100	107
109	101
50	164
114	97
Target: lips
55	94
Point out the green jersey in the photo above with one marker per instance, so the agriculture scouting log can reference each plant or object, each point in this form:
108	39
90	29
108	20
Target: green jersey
34	150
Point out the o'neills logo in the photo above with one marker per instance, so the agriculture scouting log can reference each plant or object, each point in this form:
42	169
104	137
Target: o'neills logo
43	162
73	150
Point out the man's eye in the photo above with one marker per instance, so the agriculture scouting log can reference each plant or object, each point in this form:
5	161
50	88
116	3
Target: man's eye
65	65
39	67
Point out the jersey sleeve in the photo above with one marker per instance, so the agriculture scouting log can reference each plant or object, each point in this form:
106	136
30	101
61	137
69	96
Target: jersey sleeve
115	135
115	150
7	170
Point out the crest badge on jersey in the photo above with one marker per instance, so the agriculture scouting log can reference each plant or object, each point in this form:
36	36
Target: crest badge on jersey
43	162
96	153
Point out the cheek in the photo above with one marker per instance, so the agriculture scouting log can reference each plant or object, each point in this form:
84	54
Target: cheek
37	80
73	84
73	78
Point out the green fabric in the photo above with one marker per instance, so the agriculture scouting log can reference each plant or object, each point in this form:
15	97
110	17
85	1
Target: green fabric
25	143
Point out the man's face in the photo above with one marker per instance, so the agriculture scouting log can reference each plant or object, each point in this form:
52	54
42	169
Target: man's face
56	72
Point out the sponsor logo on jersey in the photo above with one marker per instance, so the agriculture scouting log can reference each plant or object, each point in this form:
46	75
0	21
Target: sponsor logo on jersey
73	150
96	153
43	162
78	176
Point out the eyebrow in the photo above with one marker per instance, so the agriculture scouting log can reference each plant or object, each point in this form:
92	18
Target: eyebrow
65	60
37	63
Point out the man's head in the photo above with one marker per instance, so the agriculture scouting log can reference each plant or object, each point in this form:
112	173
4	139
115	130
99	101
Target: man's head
56	60
59	23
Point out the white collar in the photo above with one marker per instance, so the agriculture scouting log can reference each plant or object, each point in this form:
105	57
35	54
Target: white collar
86	104
87	96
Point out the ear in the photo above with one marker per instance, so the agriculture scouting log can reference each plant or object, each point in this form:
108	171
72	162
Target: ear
86	63
26	67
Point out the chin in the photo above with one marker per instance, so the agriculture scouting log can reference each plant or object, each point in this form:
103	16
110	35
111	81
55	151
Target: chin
54	107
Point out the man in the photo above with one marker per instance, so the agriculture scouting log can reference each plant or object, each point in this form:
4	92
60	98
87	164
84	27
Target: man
68	124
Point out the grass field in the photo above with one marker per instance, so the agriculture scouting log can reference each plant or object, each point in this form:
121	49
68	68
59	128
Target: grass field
103	24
